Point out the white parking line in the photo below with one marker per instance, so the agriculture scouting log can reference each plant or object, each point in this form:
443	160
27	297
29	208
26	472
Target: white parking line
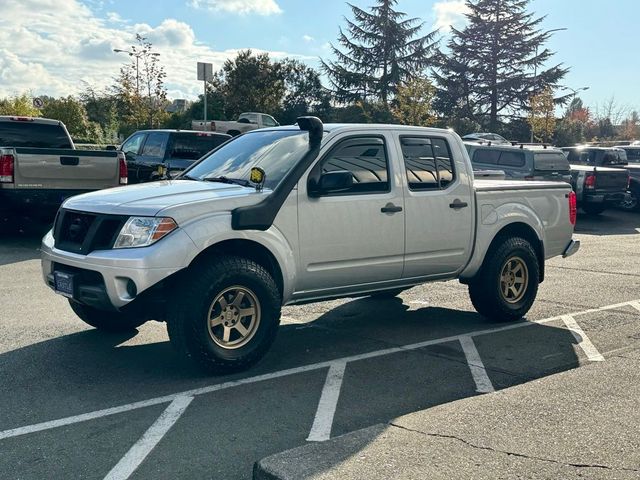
635	305
143	447
588	348
14	432
322	423
478	372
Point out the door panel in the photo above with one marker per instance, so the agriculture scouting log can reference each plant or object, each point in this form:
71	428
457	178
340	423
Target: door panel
346	238
438	236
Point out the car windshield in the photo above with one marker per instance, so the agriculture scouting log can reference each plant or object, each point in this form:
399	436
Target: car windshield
275	151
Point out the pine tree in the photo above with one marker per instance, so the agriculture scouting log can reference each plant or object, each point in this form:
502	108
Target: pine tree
494	65
382	50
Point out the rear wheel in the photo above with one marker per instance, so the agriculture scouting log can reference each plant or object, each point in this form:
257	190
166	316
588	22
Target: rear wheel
508	282
593	208
630	203
104	320
225	317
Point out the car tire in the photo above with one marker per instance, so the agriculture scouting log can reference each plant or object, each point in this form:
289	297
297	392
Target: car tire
632	202
224	315
593	208
387	293
106	320
507	285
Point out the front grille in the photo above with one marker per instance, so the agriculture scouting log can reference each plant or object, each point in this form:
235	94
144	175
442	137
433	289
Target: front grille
81	232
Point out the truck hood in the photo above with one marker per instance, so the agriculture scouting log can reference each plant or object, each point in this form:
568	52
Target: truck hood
180	199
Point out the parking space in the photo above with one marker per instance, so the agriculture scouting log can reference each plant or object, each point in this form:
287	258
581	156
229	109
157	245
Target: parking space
78	403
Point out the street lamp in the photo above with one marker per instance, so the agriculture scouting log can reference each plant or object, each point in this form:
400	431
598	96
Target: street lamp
535	69
137	56
574	91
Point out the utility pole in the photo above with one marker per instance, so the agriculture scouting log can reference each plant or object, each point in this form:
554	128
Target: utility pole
205	73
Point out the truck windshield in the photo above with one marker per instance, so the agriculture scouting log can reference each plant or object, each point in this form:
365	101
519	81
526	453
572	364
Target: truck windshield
276	152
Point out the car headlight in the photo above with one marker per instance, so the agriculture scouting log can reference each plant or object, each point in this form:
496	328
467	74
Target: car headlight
144	231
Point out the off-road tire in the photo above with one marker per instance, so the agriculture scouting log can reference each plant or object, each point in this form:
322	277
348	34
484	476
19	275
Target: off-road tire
633	203
106	320
485	289
189	310
593	208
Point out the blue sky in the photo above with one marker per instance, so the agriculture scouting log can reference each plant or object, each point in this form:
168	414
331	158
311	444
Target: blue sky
44	56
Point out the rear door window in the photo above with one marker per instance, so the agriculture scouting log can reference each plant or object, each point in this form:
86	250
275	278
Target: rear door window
511	159
192	146
133	144
32	134
428	162
155	145
486	156
550	161
633	155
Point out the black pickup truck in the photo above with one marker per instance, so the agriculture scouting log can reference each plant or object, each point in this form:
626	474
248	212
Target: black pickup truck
598	176
155	154
632	202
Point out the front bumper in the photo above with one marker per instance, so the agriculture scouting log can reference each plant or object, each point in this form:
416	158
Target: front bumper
572	248
145	267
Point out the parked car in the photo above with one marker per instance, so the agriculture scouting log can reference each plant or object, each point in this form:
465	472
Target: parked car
491	138
632	202
246	122
40	167
155	154
297	214
598	176
522	161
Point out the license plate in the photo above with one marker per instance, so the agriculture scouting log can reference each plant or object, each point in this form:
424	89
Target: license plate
63	283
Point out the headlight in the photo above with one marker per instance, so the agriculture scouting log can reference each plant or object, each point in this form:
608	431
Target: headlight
144	231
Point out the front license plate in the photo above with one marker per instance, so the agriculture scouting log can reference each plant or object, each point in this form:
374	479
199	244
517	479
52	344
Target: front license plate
63	283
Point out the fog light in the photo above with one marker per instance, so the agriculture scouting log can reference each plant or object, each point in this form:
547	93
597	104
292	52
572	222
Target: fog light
132	290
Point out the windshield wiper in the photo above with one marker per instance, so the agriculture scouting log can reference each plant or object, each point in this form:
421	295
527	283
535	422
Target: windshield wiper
187	177
236	181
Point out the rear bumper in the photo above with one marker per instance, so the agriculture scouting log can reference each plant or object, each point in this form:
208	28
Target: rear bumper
612	198
572	248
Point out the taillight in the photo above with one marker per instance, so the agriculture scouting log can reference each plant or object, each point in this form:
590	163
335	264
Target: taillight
573	208
590	181
6	168
628	182
124	171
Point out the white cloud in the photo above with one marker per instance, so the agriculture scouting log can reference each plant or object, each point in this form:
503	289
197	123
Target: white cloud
59	47
308	38
241	7
449	13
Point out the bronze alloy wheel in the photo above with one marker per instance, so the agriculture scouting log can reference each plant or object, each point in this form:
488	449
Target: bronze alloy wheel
514	279
234	317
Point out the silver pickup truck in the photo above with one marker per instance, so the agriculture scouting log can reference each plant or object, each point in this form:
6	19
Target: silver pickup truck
301	214
246	122
40	167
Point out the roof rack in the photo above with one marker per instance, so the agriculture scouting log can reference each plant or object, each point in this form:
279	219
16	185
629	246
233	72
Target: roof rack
529	144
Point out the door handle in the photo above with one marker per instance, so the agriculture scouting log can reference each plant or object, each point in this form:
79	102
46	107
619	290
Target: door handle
457	204
69	161
390	208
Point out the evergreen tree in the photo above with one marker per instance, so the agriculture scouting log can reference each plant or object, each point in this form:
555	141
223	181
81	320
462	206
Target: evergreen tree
382	50
494	65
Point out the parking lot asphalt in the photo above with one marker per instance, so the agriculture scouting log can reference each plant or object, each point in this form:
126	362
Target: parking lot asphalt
77	403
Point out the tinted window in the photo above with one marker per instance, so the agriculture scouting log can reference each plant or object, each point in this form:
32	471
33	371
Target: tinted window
428	162
155	145
132	145
250	117
267	121
581	157
366	159
550	161
511	159
486	156
31	134
614	157
192	146
633	154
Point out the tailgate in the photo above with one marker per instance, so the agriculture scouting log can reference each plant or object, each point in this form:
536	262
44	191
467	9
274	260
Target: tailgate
611	180
66	169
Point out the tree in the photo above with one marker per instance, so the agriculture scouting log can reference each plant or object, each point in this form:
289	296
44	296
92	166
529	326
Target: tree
21	105
69	111
494	65
382	50
102	110
413	102
250	83
140	90
304	93
542	117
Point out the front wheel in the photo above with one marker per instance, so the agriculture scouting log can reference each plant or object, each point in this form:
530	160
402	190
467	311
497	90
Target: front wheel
225	314
105	320
508	282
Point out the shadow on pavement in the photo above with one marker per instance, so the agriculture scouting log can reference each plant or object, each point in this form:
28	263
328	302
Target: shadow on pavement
20	239
610	222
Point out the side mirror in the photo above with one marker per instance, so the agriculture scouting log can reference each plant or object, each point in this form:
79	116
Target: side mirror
111	147
331	182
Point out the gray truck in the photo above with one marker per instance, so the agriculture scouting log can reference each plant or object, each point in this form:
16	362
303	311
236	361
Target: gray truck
246	122
299	214
40	167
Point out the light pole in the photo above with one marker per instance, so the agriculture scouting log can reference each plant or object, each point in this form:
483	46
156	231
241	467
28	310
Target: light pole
535	70
574	91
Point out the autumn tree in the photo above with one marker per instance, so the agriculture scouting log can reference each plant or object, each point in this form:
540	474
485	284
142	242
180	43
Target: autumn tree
413	102
21	105
380	50
496	62
542	115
